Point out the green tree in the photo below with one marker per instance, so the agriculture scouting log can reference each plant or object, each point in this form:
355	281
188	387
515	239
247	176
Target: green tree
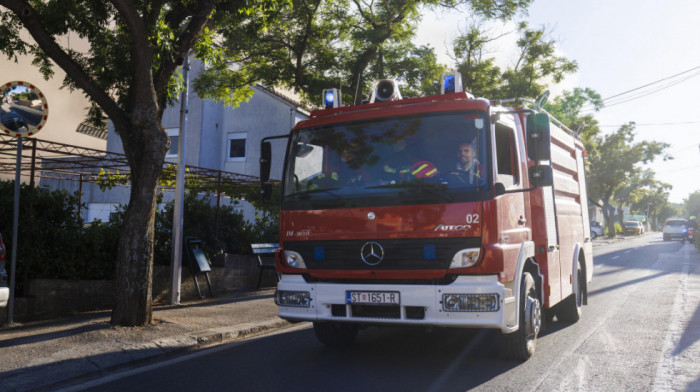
130	73
319	44
653	199
535	65
639	192
692	204
616	159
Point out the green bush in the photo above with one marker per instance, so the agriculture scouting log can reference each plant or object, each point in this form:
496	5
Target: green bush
54	244
232	234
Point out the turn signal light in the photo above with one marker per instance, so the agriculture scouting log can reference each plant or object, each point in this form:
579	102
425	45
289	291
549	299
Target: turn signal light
297	299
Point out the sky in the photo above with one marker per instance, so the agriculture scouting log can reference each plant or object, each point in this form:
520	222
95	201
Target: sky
619	46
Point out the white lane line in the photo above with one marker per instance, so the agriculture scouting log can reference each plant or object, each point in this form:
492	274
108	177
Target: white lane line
615	257
627	251
669	372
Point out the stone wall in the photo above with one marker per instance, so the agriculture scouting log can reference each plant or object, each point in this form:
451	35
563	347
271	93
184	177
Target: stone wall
53	298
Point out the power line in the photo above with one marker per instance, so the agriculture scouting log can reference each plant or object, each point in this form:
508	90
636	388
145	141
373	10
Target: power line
590	107
652	83
644	94
652	124
676	170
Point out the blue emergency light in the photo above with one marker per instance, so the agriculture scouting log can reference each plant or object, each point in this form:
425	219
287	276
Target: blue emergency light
451	83
331	98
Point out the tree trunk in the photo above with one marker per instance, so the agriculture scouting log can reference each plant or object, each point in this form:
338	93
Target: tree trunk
146	149
609	215
621	217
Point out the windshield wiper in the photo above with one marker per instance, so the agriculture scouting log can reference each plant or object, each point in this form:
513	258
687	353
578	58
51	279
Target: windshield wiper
305	195
433	189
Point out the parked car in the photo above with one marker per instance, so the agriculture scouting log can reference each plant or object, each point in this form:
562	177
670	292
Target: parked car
597	230
4	290
675	228
634	227
14	122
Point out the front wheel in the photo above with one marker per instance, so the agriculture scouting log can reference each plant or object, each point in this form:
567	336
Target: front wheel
520	344
338	335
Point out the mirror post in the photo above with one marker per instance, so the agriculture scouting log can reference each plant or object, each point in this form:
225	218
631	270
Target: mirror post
24	111
15	232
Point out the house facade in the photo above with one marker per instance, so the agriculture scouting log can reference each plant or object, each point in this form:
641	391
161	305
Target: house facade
217	137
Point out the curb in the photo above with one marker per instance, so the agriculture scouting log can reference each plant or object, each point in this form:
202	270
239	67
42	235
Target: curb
228	334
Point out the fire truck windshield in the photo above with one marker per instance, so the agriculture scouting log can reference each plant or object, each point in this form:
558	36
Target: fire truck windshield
417	159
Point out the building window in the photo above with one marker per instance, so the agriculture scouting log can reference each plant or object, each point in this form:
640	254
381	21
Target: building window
173	134
236	146
101	211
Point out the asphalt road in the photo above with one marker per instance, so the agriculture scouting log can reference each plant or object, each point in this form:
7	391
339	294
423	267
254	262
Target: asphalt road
636	334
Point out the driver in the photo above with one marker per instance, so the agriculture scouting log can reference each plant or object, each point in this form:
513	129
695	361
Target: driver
468	170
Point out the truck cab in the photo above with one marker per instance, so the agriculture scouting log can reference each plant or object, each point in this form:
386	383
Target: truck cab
435	211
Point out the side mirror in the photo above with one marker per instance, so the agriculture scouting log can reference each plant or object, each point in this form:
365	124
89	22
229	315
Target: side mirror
265	161
499	189
541	175
538	137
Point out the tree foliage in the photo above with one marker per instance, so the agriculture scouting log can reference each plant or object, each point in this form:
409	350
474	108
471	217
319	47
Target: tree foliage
129	73
536	64
319	44
614	164
692	204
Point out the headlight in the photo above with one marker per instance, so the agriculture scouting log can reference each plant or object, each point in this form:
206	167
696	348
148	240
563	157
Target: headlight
465	258
294	259
470	302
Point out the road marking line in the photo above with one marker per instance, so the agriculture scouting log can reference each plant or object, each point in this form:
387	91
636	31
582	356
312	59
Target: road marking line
668	371
615	257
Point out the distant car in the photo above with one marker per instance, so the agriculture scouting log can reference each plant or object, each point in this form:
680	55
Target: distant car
4	290
634	227
675	229
14	122
597	230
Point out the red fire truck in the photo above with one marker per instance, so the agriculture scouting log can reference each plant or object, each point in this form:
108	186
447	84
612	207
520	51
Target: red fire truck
445	210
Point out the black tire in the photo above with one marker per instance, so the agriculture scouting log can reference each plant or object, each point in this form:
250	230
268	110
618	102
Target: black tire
569	310
665	238
520	345
594	235
338	335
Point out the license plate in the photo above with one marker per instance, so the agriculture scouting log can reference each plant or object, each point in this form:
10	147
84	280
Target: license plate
373	297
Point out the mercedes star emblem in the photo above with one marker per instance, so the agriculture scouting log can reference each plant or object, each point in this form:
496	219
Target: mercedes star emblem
372	253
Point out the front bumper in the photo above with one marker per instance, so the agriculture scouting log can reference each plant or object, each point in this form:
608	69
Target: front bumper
419	304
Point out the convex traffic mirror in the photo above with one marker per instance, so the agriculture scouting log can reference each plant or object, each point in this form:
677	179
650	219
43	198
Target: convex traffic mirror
23	109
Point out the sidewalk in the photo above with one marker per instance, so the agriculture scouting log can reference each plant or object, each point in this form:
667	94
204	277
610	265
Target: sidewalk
49	354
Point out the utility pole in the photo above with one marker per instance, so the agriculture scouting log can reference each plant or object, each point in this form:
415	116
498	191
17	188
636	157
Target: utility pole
176	262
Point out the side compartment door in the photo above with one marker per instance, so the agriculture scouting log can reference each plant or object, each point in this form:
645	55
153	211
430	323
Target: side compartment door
553	254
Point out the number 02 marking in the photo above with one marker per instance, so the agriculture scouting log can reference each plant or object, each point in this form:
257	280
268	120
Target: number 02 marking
472	218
